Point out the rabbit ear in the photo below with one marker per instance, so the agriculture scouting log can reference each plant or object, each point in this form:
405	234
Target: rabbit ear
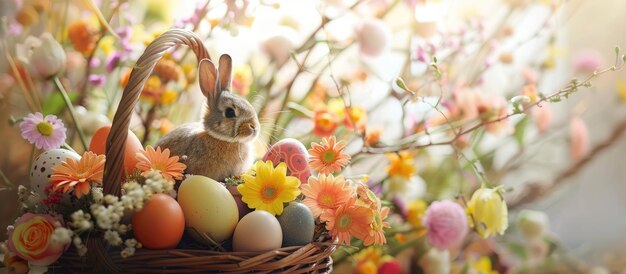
225	72
208	79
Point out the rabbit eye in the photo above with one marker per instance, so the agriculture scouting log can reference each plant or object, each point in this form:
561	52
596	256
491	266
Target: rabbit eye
230	113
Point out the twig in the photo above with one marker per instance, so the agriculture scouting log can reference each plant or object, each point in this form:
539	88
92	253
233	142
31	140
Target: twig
6	180
101	34
28	94
70	107
535	190
572	87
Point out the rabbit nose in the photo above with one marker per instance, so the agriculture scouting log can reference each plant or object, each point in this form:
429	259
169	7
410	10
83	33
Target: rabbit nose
252	126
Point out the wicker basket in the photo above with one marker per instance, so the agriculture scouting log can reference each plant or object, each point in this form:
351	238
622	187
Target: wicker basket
312	258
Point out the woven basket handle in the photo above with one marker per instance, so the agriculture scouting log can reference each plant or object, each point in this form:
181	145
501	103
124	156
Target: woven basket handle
116	141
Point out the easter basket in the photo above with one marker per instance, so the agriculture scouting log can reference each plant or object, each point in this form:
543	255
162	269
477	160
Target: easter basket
314	257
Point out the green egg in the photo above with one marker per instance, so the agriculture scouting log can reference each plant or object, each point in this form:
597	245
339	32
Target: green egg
297	224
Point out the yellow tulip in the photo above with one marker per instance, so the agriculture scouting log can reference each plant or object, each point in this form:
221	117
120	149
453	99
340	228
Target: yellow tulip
488	212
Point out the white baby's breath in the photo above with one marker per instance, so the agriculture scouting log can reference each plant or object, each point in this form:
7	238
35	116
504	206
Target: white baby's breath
97	194
113	237
107	212
3	247
62	236
80	247
81	221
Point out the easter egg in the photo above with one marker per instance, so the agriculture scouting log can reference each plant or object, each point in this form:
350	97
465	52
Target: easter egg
258	231
133	145
243	207
297	224
42	168
294	155
160	223
209	208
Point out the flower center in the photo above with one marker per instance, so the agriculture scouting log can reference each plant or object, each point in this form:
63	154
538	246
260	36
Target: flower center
328	157
377	223
44	128
158	166
326	200
344	222
269	193
325	121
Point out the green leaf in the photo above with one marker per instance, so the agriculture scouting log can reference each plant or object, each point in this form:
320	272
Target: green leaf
624	57
400	83
519	250
54	104
520	130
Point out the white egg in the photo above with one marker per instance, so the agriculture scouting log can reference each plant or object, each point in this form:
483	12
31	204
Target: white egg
42	168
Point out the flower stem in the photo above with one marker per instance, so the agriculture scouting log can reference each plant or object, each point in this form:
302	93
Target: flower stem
68	147
30	161
5	179
70	107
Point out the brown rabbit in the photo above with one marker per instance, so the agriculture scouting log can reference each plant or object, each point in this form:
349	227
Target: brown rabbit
220	146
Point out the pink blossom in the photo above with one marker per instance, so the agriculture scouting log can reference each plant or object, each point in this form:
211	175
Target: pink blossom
6	82
374	37
94	62
529	75
96	80
542	116
587	61
446	223
113	60
45	133
579	138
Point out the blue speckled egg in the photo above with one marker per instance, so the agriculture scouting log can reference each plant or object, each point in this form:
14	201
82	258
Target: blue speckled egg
298	225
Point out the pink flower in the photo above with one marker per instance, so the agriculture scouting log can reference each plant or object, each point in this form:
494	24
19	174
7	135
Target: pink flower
45	133
96	80
587	61
446	223
542	116
529	75
579	138
31	238
374	37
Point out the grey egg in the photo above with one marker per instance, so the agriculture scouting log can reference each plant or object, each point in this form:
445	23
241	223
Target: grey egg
297	224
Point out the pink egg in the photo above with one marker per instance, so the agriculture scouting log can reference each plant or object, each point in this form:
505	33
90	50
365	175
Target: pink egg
294	154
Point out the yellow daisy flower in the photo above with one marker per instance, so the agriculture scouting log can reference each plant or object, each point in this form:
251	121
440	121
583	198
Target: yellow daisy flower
269	188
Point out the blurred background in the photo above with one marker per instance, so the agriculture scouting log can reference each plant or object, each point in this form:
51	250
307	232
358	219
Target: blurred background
585	210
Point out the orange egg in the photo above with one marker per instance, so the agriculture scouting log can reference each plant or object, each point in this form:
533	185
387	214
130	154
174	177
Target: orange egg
133	145
160	223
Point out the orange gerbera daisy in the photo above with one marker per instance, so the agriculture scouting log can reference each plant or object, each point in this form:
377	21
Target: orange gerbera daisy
347	220
325	192
160	161
376	234
78	175
367	197
328	156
